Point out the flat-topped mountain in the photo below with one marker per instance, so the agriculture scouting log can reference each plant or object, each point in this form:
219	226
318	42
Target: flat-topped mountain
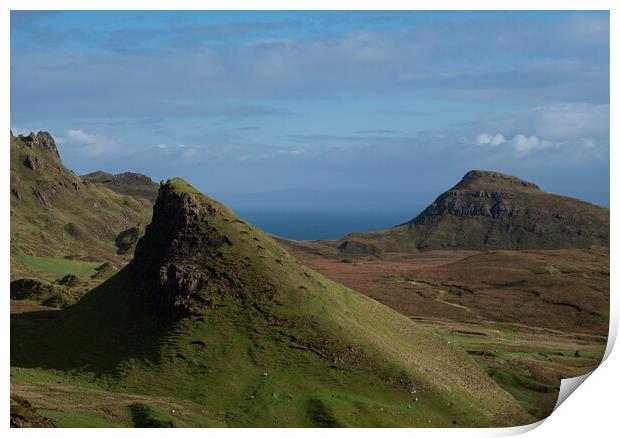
213	313
126	183
486	179
491	210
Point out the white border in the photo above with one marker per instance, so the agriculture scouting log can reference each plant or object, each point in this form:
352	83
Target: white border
591	411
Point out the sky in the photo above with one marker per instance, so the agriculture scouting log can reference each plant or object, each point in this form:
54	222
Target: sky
320	111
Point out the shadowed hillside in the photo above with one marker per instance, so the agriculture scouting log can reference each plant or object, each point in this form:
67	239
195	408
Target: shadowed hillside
214	314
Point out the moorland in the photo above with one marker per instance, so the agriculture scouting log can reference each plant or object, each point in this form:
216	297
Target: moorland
148	305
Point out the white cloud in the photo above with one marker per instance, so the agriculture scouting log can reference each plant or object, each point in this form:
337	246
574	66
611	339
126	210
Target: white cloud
520	143
575	130
523	144
493	140
80	136
557	122
91	144
162	146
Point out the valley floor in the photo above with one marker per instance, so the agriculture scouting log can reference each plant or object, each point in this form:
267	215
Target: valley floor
529	318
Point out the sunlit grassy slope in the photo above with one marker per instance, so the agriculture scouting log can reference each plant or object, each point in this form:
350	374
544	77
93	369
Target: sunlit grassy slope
287	347
57	267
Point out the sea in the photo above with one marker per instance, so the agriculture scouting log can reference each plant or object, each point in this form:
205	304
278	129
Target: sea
323	225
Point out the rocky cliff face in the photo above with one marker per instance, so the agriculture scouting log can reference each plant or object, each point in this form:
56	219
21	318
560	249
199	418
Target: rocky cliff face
483	194
37	155
176	255
42	140
491	210
462	203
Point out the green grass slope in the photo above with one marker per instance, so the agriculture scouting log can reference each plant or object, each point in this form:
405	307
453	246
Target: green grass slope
492	211
214	324
57	218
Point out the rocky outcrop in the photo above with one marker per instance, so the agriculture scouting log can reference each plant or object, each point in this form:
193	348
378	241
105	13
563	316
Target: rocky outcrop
481	177
126	183
356	247
481	194
126	240
42	140
23	414
44	193
175	256
132	178
33	162
464	203
35	158
28	288
59	295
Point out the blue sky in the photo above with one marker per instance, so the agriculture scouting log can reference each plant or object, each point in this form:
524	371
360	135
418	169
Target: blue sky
321	110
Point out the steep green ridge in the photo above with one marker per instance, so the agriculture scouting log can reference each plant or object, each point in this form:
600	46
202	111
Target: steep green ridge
491	210
214	314
126	183
57	215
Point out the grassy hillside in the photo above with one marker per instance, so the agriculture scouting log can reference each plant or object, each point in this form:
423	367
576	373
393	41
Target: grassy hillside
57	267
231	330
61	224
531	318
